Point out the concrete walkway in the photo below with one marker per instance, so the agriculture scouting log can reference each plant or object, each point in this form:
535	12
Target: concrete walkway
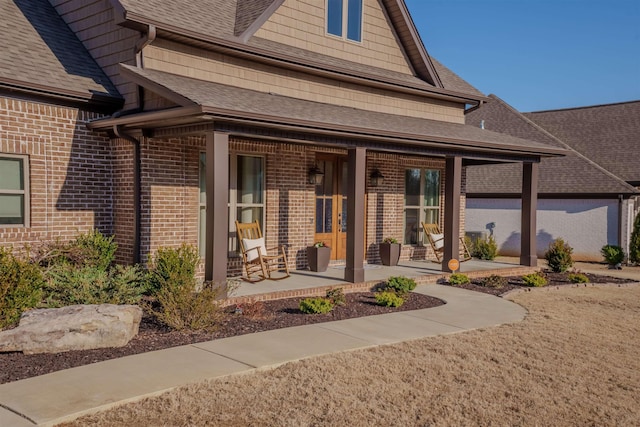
65	395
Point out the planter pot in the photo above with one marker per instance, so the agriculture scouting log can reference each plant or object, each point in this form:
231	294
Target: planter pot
389	253
318	258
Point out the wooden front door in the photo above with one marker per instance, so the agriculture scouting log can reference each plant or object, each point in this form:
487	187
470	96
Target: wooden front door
331	205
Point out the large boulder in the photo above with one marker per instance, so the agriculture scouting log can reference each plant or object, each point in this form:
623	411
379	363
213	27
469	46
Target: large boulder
75	327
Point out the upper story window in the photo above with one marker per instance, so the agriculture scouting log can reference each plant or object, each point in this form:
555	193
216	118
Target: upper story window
344	18
14	200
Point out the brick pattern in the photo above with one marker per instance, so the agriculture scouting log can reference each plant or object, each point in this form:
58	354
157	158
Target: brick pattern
69	168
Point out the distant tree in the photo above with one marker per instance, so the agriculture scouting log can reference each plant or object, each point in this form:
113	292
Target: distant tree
634	244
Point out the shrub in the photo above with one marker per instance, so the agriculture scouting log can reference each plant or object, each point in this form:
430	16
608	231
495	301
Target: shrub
558	256
253	310
95	249
578	278
485	248
317	305
535	279
181	307
21	285
613	254
459	279
69	285
336	296
400	284
495	281
389	299
173	267
390	240
634	244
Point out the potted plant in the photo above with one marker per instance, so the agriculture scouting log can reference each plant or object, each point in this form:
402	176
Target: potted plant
318	256
389	251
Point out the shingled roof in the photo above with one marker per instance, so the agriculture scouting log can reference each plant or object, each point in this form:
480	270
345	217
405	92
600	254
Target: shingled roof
573	174
609	134
40	54
231	23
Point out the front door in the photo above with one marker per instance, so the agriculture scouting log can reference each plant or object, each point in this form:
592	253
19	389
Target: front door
331	205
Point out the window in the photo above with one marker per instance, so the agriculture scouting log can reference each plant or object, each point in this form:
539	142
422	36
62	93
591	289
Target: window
344	17
14	200
421	201
246	194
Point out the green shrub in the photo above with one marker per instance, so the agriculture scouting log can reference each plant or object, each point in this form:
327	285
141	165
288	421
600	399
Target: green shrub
389	299
535	279
578	278
485	248
400	284
634	244
69	285
317	305
495	281
558	256
21	285
96	249
173	267
459	279
181	307
613	254
336	296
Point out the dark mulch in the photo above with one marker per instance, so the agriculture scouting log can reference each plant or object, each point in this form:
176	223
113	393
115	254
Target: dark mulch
257	317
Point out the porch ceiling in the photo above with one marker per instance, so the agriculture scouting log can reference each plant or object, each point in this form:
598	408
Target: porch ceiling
204	101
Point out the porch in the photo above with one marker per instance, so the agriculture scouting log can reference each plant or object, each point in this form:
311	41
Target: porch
304	283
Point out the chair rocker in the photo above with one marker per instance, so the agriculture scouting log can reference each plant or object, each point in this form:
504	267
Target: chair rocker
436	239
256	258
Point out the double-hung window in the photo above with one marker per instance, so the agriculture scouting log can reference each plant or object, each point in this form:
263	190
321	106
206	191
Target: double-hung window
344	19
246	194
421	201
14	190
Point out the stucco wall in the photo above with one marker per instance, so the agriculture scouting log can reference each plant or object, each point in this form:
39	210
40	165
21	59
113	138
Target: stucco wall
586	225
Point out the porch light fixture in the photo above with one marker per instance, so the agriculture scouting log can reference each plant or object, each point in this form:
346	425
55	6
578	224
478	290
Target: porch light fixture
315	175
376	178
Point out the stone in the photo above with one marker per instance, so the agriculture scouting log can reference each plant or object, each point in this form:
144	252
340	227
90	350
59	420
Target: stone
75	327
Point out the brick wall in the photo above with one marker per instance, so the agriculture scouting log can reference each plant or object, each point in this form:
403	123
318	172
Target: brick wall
69	170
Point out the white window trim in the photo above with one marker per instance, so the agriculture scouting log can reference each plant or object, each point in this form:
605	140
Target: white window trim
232	204
345	22
25	192
421	207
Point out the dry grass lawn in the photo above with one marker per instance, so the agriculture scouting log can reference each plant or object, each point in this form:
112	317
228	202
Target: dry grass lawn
573	362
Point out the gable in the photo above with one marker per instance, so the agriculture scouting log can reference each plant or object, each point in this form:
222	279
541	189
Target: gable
302	24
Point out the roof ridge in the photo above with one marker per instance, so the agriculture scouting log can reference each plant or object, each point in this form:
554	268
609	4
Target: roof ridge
583	107
561	142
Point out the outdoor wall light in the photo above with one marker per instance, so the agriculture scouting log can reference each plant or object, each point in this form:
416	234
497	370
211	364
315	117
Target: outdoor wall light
315	175
376	178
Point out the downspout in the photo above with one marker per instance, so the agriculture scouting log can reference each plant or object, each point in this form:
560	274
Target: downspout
144	41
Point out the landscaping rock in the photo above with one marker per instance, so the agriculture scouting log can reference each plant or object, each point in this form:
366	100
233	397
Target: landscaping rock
75	327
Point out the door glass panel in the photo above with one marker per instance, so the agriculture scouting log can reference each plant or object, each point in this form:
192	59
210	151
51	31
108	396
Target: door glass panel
328	216
344	182
412	187
324	215
411	219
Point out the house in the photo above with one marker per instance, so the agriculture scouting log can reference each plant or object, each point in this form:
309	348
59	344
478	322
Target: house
586	198
270	110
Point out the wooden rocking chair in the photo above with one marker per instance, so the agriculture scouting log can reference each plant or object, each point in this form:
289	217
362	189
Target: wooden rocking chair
255	256
436	239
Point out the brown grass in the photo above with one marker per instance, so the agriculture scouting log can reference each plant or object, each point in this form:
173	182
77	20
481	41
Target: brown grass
573	362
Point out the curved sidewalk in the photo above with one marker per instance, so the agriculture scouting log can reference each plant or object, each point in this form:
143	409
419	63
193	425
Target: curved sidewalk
62	396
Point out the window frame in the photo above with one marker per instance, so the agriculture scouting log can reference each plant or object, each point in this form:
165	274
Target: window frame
421	207
24	192
344	27
232	202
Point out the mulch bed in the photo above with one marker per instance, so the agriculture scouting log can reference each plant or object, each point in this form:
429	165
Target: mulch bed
258	317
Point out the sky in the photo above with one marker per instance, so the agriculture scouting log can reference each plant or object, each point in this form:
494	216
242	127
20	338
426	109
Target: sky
537	54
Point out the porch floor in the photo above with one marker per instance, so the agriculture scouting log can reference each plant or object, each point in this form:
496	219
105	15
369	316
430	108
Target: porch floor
309	283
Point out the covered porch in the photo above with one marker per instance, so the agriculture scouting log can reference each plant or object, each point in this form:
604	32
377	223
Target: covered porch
308	283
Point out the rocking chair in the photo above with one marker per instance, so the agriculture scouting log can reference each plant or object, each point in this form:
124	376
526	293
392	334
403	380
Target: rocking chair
255	256
436	239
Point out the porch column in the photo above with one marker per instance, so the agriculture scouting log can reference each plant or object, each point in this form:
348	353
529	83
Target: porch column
528	252
354	271
452	192
217	216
